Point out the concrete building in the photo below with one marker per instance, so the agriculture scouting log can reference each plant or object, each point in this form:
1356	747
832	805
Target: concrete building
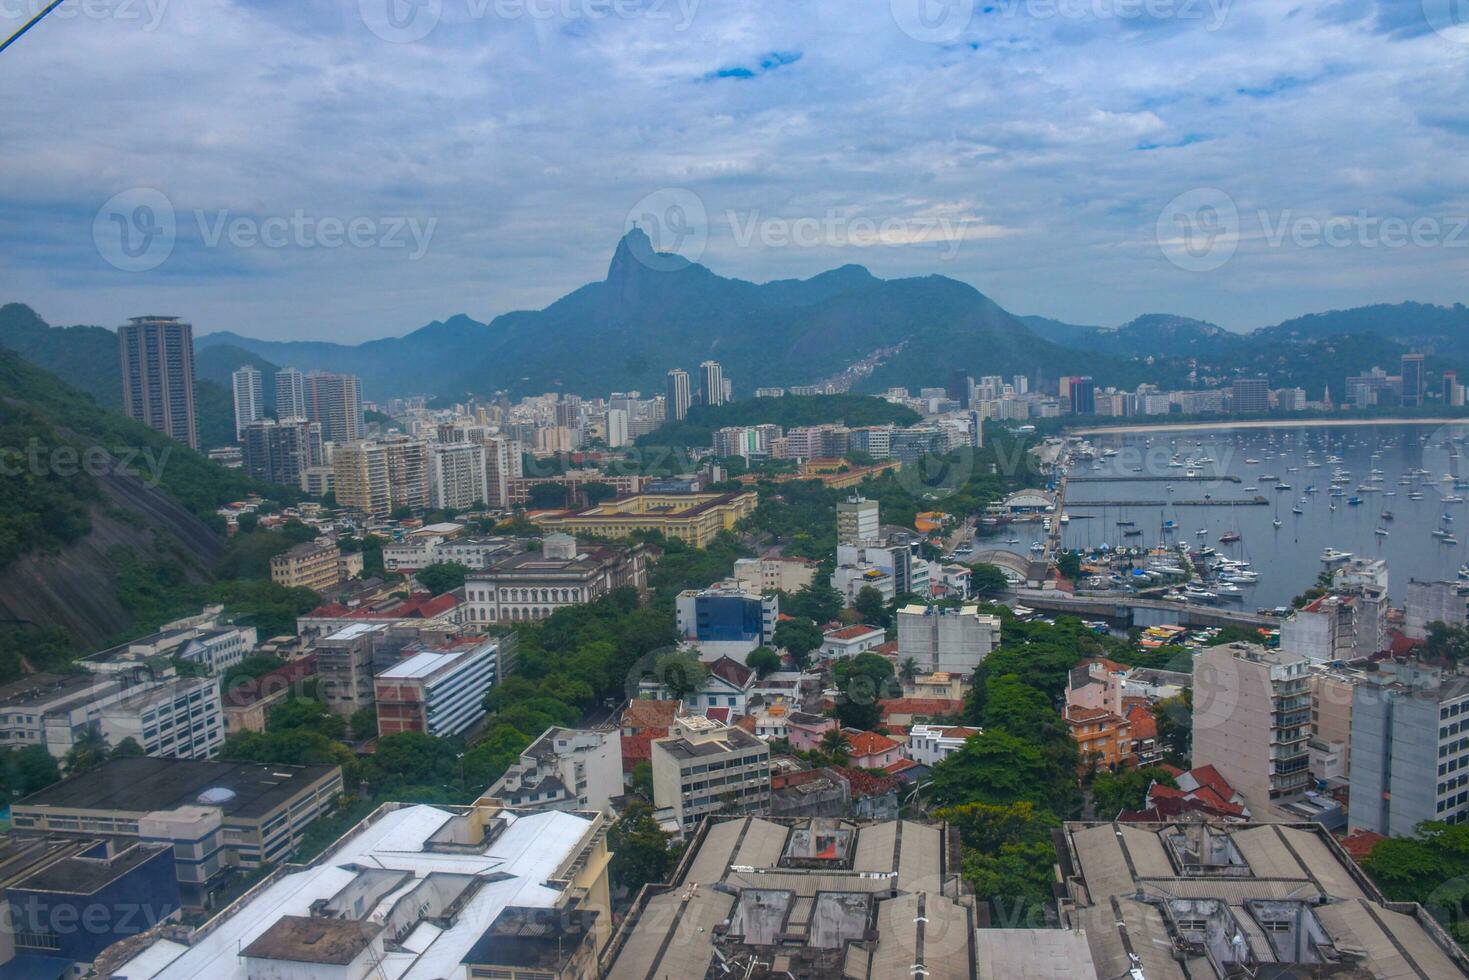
316	565
1410	751
1252	721
695	518
335	402
704	765
282	451
1211	901
848	641
290	394
777	573
66	899
532	585
249	396
812	897
167	717
711	384
726	620
679	396
206	639
414	892
158	375
456	475
1333	690
378	478
437	688
565	769
1433	602
1413	384
350	653
928	745
858	522
1250	396
952	640
219	815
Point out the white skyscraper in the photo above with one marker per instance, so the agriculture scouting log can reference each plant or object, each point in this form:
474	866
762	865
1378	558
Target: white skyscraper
456	475
616	428
249	399
711	383
678	397
290	394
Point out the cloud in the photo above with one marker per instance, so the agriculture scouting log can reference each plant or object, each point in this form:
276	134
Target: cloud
528	129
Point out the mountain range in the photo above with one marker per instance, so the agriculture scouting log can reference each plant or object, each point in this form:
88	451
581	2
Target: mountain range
655	311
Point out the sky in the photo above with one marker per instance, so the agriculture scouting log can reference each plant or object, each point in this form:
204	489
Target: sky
350	169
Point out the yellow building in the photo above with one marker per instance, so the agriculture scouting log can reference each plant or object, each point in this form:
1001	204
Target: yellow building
316	565
693	517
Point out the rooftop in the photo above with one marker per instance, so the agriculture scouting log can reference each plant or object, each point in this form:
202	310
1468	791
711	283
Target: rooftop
144	784
446	898
1187	901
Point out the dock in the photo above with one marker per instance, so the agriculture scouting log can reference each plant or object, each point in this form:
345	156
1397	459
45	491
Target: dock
1255	501
1221	478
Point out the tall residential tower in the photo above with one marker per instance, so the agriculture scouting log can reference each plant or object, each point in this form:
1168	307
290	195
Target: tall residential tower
158	375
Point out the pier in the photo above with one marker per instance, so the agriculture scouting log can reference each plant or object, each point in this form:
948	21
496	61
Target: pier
1137	611
1255	501
1222	478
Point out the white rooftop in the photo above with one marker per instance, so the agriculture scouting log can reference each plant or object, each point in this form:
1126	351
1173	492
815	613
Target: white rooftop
425	664
357	629
530	850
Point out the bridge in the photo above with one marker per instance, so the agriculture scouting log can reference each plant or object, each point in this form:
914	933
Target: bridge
1143	612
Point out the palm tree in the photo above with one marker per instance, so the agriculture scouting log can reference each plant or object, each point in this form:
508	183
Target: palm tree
909	669
834	743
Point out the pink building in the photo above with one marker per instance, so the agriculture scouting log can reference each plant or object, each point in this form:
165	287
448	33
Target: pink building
804	731
869	750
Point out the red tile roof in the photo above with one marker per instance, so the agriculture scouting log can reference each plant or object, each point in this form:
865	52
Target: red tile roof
246	692
731	670
420	605
1360	844
1144	725
902	765
852	632
932	707
865	783
718	714
863	744
650	714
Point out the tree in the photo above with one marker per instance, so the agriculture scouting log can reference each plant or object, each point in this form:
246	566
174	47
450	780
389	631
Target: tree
763	661
86	753
680	673
307	713
641	851
1447	642
442	577
364	724
798	637
834	744
1069	564
1175	719
993	767
817	601
24	771
986	579
1007	856
869	605
595	493
546	496
642	780
1113	792
128	748
909	669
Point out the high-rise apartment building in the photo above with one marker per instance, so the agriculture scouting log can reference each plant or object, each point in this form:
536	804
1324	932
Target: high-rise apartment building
456	475
503	463
1251	396
249	392
335	401
1410	750
711	383
1083	395
953	641
678	397
857	521
158	375
705	767
1252	721
617	427
1413	380
280	451
290	394
378	478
